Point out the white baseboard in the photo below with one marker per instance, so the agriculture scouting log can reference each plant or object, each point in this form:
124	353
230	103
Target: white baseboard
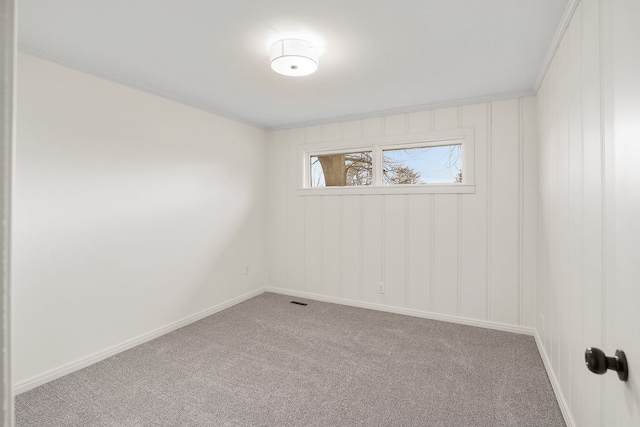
555	384
406	311
53	374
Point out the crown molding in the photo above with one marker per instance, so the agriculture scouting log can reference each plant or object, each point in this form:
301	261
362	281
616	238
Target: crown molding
414	109
555	43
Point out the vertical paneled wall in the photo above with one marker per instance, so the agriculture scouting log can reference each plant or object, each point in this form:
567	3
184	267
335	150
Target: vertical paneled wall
465	255
572	212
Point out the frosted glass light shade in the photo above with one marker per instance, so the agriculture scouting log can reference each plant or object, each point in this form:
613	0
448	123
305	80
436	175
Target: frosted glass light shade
293	57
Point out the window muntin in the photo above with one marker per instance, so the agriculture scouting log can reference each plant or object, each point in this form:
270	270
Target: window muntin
422	165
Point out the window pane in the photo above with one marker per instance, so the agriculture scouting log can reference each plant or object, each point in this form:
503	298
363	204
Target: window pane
341	170
426	165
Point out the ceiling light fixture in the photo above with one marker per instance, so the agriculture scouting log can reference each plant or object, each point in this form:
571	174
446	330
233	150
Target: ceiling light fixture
294	57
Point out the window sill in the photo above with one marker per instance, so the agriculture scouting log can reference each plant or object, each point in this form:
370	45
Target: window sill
389	189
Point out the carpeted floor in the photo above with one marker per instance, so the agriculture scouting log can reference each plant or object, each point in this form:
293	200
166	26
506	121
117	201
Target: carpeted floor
267	362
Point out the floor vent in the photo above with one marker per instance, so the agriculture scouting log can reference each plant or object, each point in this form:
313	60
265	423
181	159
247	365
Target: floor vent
298	302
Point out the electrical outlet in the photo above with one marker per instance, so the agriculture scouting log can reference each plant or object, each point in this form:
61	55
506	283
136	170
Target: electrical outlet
381	287
246	269
541	322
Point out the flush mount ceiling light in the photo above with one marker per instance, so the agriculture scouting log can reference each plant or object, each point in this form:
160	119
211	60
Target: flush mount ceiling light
294	57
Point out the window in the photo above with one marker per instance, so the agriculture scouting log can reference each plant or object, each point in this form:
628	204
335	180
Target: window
433	163
341	169
422	165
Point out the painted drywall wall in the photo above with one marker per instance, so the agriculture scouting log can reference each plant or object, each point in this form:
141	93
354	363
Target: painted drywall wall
132	212
464	255
588	257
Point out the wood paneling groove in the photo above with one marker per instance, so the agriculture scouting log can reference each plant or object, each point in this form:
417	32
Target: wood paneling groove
361	281
295	220
575	267
406	244
603	196
604	168
304	240
340	252
563	367
459	257
383	270
520	211
431	248
591	194
552	215
581	397
489	219
459	234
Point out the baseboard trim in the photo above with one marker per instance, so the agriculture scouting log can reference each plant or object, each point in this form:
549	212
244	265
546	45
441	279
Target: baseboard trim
406	311
555	384
51	375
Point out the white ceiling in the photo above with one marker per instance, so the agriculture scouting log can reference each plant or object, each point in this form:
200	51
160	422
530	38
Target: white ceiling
377	56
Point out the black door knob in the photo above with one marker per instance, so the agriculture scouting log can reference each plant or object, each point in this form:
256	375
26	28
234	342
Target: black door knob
599	363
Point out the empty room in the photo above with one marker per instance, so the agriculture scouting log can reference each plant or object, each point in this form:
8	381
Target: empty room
320	213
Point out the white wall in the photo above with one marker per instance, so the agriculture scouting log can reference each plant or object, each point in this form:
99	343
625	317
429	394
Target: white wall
467	255
587	171
132	212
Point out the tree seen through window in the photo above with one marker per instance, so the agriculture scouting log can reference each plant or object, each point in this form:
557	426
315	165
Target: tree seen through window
420	165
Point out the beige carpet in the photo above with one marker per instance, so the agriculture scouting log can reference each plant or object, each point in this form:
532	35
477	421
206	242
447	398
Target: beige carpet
267	362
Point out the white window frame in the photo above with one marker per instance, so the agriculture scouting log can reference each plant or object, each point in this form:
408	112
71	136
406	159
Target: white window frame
462	136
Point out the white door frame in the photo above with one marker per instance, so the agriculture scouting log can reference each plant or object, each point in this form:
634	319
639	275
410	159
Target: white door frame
8	26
